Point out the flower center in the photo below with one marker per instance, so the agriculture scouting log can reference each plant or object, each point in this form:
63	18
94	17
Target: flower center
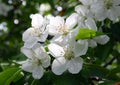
35	61
63	30
69	54
108	3
38	32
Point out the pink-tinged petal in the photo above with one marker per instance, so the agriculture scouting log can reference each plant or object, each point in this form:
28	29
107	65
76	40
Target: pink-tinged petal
75	65
59	66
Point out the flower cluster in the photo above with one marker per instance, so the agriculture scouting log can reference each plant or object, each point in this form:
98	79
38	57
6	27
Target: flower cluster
54	37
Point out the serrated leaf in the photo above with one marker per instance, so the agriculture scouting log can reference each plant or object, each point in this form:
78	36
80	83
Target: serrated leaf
10	75
85	33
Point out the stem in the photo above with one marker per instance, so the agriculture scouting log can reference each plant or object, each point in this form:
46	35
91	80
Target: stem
33	82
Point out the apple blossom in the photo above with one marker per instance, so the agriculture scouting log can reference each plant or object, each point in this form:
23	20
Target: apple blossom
58	25
37	60
68	57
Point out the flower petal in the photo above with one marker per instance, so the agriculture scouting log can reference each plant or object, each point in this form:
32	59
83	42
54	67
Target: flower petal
56	50
55	24
71	21
75	65
45	59
38	72
31	42
90	23
59	66
27	34
103	39
27	52
43	37
53	30
57	21
82	10
27	66
92	43
80	48
37	20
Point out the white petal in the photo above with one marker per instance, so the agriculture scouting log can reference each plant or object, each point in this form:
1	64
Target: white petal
45	59
90	23
30	42
59	66
43	37
92	43
53	30
88	2
37	20
38	72
82	10
27	66
56	50
103	39
80	48
99	11
27	51
27	34
75	65
55	24
113	13
58	39
57	21
38	49
71	21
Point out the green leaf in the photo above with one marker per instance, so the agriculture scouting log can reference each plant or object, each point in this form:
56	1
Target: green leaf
10	75
92	70
85	33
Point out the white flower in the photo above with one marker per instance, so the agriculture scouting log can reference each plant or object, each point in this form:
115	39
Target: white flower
59	26
44	8
113	9
33	35
107	9
38	21
37	60
88	2
83	12
68	57
37	32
